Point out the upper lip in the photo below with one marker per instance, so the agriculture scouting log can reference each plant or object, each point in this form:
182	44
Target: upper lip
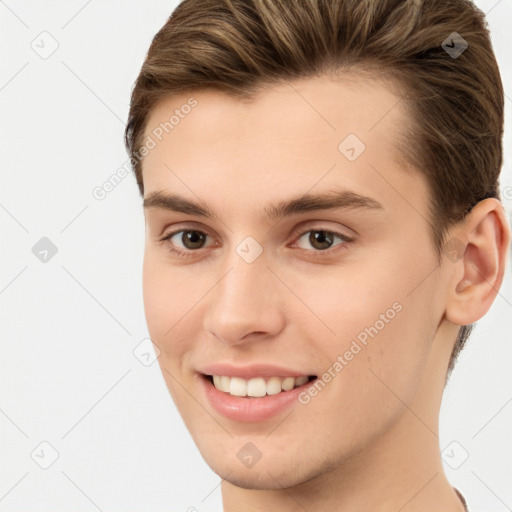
250	371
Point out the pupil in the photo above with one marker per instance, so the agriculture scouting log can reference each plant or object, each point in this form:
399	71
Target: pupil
324	238
192	239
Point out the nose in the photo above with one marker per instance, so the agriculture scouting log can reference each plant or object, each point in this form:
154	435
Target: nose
245	305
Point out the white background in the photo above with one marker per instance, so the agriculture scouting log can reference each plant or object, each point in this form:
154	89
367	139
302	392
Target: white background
68	374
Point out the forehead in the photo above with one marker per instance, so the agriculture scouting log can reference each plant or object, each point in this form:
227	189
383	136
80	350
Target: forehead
311	133
306	109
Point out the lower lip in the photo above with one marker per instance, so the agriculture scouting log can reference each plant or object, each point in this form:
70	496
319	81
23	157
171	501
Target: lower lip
247	409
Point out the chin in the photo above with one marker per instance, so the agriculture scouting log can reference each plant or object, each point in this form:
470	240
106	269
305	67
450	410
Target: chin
269	473
261	479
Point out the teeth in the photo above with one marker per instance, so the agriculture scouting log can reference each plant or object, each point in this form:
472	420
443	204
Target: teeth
238	387
273	386
224	384
258	386
288	383
301	380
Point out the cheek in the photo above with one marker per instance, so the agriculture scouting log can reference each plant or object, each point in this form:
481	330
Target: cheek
377	367
383	319
166	303
156	298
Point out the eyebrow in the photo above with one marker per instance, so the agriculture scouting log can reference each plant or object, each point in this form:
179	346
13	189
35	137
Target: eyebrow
332	199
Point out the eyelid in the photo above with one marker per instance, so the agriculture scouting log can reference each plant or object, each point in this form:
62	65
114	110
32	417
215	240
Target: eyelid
304	228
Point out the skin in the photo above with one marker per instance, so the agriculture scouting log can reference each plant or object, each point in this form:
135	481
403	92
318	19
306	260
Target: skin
369	440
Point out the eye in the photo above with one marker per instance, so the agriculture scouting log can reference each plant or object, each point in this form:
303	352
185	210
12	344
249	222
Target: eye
322	240
185	242
191	239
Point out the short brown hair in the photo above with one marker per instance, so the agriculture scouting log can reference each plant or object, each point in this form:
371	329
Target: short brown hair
455	102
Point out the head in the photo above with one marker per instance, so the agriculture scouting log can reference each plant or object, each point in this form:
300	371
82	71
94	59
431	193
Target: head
250	109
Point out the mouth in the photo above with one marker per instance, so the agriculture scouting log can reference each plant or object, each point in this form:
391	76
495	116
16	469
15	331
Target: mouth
253	393
257	387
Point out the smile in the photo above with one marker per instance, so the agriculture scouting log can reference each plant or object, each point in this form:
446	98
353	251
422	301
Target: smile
254	399
258	386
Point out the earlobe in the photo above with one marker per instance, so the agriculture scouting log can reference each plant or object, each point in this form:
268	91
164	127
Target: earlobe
480	267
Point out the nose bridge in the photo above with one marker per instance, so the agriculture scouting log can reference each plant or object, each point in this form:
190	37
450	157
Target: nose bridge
243	287
244	299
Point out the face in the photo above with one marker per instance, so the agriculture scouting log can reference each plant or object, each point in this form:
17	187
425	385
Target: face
305	273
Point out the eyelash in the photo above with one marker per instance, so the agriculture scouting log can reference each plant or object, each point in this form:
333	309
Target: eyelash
314	253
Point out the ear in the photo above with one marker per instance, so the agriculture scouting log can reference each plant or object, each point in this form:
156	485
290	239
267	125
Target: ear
478	249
